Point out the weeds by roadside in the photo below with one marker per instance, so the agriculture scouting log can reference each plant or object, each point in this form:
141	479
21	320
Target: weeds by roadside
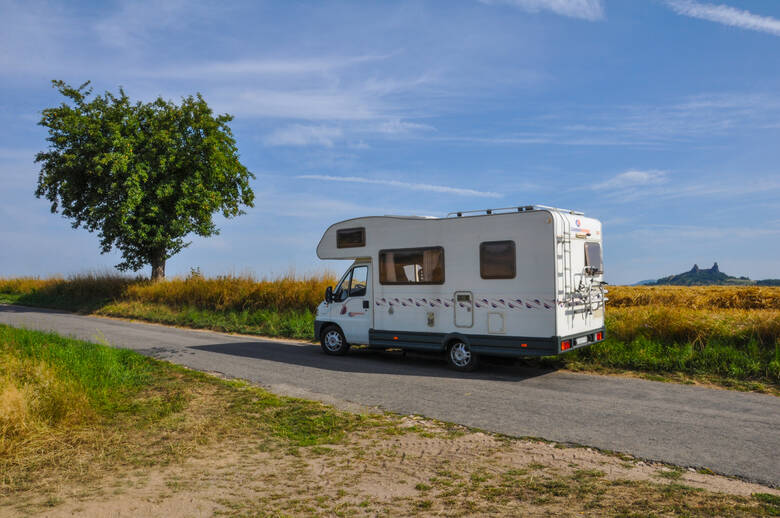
76	407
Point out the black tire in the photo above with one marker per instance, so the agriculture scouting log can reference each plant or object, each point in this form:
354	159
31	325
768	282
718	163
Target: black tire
333	342
460	357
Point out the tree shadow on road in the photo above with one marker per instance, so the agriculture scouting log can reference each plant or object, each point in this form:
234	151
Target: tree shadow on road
374	361
358	360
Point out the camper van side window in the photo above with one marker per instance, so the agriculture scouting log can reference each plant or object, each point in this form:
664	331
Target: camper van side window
350	237
412	266
497	260
593	263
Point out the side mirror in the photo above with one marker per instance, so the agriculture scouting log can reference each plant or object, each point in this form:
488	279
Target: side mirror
329	294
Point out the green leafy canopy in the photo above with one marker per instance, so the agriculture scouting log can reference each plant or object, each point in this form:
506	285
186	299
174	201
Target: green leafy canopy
142	175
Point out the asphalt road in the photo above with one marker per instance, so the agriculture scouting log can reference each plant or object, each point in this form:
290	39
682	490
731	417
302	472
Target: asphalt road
731	433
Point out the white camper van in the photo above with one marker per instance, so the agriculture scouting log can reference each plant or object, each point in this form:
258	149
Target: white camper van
519	281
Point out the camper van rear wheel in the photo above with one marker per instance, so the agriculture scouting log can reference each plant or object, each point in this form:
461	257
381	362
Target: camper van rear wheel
460	357
333	341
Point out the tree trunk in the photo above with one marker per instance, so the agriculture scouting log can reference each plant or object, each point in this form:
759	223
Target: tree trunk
158	267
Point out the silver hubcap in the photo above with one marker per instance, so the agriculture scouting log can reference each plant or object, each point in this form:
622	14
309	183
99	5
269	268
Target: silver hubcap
460	354
333	340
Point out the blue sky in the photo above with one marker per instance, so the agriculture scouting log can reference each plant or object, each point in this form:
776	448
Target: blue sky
660	118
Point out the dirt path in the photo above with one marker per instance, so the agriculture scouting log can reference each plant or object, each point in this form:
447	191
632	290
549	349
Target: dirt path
430	471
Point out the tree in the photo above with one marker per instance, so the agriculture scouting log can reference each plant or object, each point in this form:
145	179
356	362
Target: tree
143	175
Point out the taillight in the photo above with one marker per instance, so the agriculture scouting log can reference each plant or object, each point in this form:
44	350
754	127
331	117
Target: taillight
565	345
599	336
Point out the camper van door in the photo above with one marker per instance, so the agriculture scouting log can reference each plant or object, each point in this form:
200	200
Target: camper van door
352	311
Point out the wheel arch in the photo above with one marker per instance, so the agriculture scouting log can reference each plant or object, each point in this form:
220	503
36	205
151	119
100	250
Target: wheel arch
325	325
451	338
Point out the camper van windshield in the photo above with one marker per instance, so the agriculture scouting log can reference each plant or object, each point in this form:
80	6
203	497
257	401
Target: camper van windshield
593	258
412	266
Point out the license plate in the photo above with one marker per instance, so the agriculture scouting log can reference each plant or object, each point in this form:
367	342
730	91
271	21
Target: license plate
581	340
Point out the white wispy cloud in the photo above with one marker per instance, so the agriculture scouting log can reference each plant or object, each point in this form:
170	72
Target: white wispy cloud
694	119
261	67
585	9
399	127
688	233
731	190
634	185
304	135
305	104
726	15
128	27
328	136
444	189
287	204
633	179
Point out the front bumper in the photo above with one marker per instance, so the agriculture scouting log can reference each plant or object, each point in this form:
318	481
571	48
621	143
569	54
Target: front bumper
318	328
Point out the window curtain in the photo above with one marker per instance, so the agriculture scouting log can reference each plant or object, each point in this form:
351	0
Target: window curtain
431	265
388	267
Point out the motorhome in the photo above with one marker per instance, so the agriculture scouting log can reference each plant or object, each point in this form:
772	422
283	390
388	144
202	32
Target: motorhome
518	281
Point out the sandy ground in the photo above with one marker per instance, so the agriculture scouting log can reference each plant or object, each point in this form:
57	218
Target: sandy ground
429	472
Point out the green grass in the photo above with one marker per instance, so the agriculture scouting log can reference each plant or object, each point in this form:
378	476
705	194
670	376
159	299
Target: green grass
107	376
60	397
589	491
288	324
770	503
740	362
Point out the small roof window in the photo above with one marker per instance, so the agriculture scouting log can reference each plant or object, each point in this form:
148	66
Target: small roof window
351	237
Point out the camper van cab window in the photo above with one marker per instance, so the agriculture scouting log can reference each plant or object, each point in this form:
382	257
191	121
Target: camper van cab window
350	237
497	260
412	266
342	288
593	263
353	284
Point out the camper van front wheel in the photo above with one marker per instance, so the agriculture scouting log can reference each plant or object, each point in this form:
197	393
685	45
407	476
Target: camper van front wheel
460	357
333	341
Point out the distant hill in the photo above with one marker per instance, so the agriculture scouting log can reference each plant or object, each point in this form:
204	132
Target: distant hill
708	277
644	283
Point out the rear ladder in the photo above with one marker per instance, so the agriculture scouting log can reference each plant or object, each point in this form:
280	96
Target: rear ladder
563	262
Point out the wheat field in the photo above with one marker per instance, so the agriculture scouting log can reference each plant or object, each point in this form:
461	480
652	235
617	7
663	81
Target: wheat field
696	297
287	292
299	292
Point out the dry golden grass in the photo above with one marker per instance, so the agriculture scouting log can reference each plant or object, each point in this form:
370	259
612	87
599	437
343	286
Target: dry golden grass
291	292
34	400
24	285
731	332
222	293
228	292
695	326
696	297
